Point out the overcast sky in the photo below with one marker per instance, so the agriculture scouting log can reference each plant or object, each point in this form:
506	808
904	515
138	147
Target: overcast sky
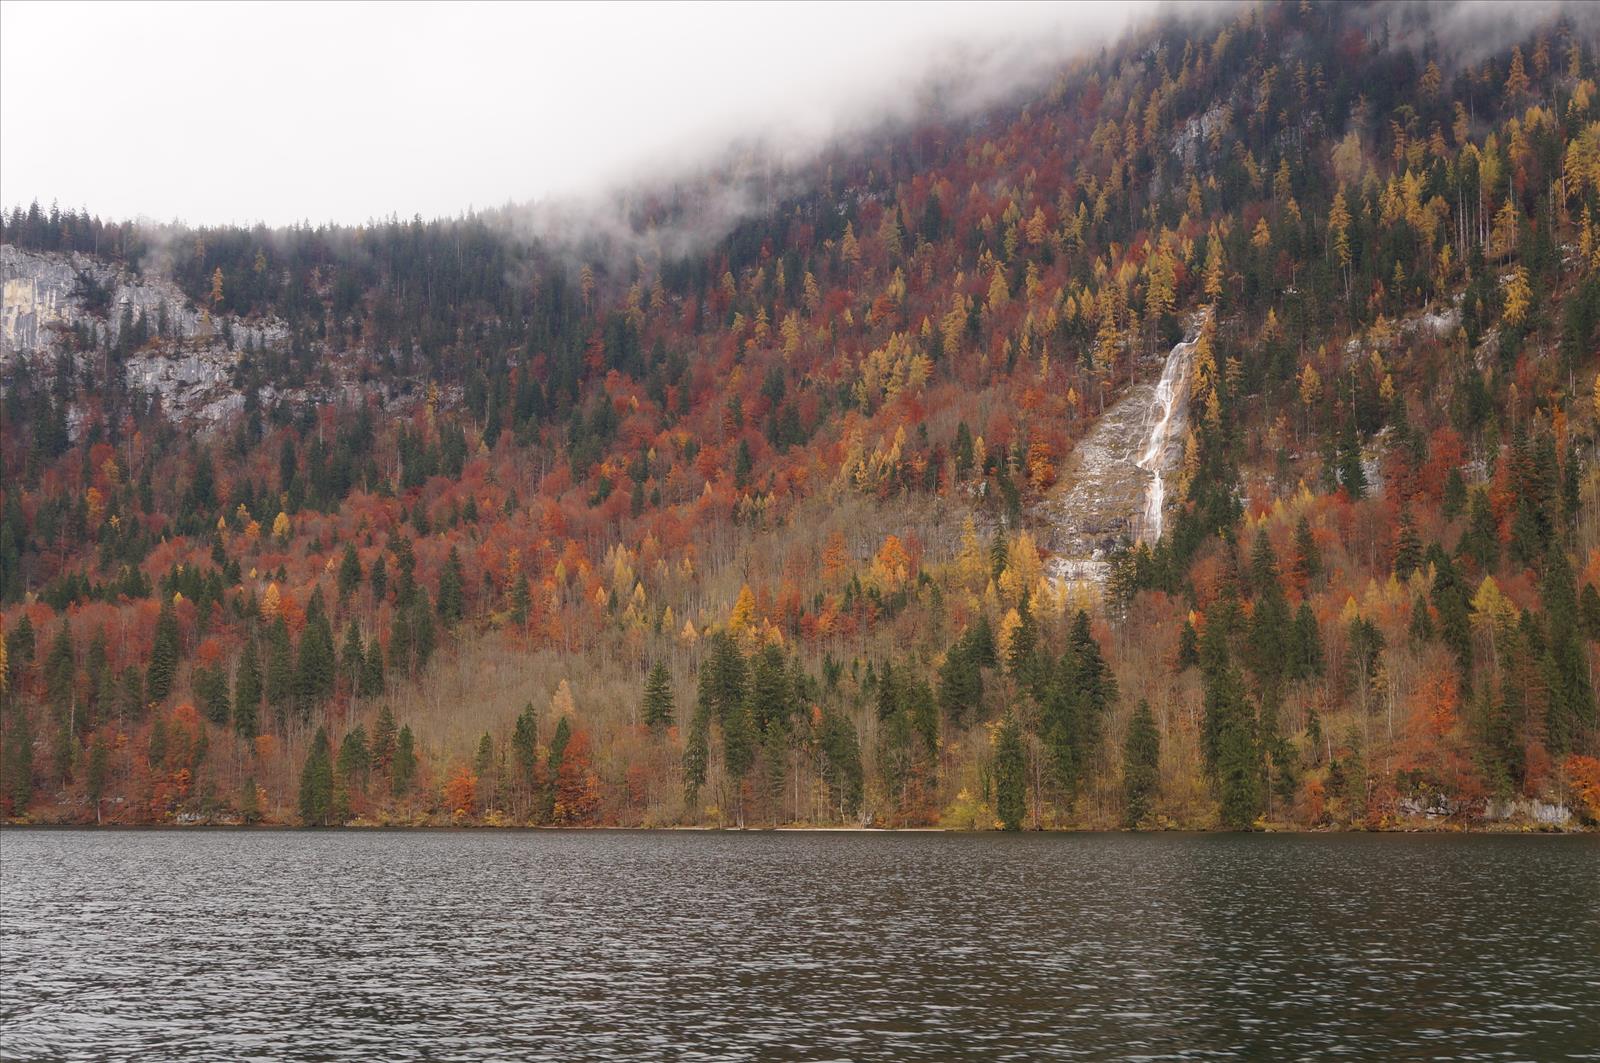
323	112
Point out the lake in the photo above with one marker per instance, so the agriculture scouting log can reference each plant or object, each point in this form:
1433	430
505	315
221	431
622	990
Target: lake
720	946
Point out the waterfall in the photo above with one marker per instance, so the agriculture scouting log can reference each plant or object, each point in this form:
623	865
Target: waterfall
1167	421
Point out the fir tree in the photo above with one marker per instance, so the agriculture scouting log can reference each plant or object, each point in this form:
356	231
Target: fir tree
354	757
316	783
1188	646
163	655
280	670
1407	547
1141	765
658	712
352	658
405	762
247	692
451	604
383	739
370	684
349	572
1010	775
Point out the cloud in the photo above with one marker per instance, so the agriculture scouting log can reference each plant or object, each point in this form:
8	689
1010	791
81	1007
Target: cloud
243	113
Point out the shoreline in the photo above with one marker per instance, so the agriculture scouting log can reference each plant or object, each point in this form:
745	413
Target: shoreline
1509	828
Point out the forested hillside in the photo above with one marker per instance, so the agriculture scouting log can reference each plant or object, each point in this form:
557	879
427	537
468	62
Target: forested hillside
456	523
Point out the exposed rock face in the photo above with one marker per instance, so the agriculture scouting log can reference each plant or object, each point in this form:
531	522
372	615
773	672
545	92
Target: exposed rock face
1113	486
50	296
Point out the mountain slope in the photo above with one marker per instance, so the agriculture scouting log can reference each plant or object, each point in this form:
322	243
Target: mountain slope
763	533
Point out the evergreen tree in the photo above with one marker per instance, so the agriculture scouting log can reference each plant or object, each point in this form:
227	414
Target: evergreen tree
1407	547
355	758
1452	603
280	670
1010	775
405	570
1188	646
1307	558
423	632
405	762
1589	611
658	708
379	578
1020	660
1305	657
164	654
451	604
349	572
352	658
521	600
18	762
383	739
1352	477
1480	542
697	747
211	689
61	672
1570	717
370	684
525	748
316	783
771	699
841	762
1455	494
1141	765
960	685
315	667
247	692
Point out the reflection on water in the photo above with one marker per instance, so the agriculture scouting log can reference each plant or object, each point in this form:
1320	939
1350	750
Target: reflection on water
614	945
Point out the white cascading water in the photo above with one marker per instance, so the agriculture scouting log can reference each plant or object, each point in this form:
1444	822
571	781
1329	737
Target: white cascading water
1165	409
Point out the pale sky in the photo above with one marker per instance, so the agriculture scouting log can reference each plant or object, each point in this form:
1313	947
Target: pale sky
328	112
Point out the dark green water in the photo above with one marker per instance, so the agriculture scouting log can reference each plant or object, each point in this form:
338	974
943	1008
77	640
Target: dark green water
695	946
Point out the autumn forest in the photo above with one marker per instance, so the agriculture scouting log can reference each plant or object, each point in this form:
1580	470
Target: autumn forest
775	520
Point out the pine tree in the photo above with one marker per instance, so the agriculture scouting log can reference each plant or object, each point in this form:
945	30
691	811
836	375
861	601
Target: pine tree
1141	765
658	710
163	655
316	783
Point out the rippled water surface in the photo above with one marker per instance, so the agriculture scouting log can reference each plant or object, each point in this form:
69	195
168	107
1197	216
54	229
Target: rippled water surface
611	945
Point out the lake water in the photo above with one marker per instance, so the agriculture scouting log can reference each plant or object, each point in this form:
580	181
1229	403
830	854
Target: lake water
701	946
